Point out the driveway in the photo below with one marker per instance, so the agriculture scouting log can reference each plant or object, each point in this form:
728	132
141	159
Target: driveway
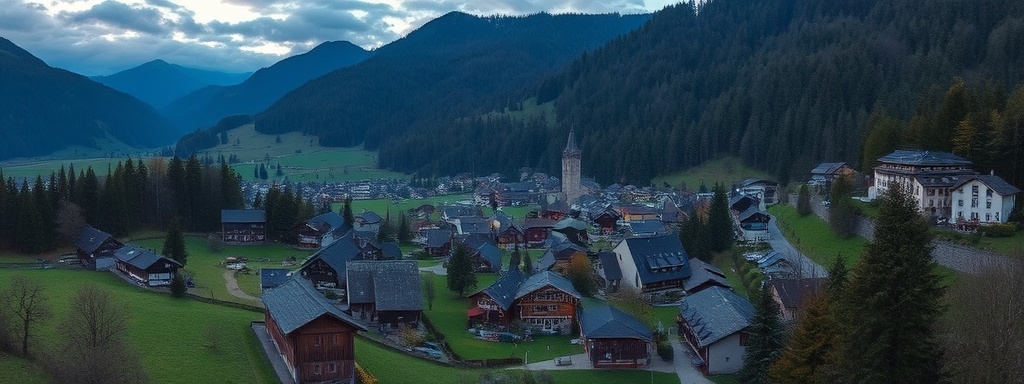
232	285
778	241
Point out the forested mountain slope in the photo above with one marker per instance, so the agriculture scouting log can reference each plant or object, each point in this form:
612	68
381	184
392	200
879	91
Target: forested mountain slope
158	82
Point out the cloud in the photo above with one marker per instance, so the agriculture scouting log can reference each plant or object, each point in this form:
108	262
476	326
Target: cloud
120	15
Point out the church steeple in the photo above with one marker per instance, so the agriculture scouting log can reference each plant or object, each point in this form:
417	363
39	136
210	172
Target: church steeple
570	147
571	157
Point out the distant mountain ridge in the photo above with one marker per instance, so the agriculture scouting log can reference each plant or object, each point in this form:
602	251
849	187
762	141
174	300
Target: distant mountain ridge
45	109
206	106
158	82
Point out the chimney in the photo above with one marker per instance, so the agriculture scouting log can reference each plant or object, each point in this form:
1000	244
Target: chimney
991	172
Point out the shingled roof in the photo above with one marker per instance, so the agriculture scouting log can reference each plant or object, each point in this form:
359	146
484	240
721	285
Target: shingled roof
296	303
331	219
91	239
996	183
827	168
503	291
273	277
611	265
392	285
336	254
606	322
545	278
243	216
715	313
702	273
141	258
651	254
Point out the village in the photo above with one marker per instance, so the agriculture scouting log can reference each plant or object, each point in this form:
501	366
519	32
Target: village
690	320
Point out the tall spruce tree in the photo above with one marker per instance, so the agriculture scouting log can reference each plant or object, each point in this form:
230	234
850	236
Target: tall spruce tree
461	276
720	232
841	214
893	300
174	243
516	259
803	201
810	351
404	232
764	340
346	213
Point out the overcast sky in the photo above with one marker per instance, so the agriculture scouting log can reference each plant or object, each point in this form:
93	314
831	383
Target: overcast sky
100	37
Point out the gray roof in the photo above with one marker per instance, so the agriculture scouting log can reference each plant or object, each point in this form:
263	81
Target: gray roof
606	322
296	303
331	219
452	211
770	259
504	222
647	227
920	158
996	183
370	217
754	180
653	253
391	250
827	168
544	262
558	206
337	253
715	313
570	146
751	212
273	277
491	253
610	263
569	222
538	222
543	279
437	238
91	239
503	290
243	216
740	202
141	258
793	292
393	285
474	225
704	273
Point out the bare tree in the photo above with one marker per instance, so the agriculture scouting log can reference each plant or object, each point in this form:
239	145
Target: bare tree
69	221
94	321
985	337
27	304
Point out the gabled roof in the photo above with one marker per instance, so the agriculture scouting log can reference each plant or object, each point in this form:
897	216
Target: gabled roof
452	211
793	292
569	222
610	263
651	254
369	217
538	222
503	291
469	225
296	303
91	239
336	254
558	206
391	250
392	285
141	258
770	259
437	238
331	219
606	322
703	273
754	180
921	158
243	216
740	202
647	227
827	168
505	223
751	212
715	313
491	253
996	183
273	277
543	279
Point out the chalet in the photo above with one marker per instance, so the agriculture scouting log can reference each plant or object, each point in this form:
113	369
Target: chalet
438	242
652	264
607	221
764	190
390	251
558	256
740	202
493	305
825	173
144	266
615	339
647	228
929	176
983	199
546	302
311	233
574	230
753	224
714	323
793	294
326	267
384	292
507	232
272	278
670	212
536	231
704	275
471	225
422	212
630	212
315	338
608	270
486	256
243	226
556	210
96	248
368	221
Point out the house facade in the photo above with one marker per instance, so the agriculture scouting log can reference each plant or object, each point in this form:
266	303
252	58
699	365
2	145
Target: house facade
615	339
651	264
96	248
793	294
311	233
714	323
983	199
145	267
929	177
544	302
825	173
243	226
766	191
384	292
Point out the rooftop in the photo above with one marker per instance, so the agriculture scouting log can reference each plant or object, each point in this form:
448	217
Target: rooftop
715	313
296	303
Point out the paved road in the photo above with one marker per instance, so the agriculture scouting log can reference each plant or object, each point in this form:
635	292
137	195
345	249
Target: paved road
778	241
437	270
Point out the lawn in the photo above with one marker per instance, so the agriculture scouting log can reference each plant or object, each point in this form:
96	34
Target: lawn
813	237
726	170
17	370
449	316
168	333
383	206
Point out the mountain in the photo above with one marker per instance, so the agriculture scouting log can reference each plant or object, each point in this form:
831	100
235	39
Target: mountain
45	109
781	84
158	82
444	69
206	106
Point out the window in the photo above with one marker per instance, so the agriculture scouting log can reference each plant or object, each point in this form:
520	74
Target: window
317	340
316	369
988	192
960	202
997	216
332	368
988	205
931	192
988	217
974	190
743	339
974	202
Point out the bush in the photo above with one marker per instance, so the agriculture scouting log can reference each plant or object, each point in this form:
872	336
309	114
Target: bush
178	286
997	230
421	255
665	351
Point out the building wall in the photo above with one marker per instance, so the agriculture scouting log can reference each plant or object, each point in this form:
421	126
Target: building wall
571	178
321	344
627	266
494	314
547	309
725	355
994	209
618	353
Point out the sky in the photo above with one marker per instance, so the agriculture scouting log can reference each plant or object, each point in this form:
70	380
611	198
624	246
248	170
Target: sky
102	37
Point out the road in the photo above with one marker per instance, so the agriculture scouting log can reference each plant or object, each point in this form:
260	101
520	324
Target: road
778	241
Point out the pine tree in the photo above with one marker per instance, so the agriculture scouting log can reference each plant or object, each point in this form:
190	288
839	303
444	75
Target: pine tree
30	236
386	232
810	350
174	243
404	232
720	230
765	339
841	216
461	276
516	259
346	213
893	300
527	264
693	235
178	286
963	139
803	201
257	202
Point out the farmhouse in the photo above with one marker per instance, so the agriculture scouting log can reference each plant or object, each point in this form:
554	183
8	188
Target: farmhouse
314	337
312	232
615	339
630	212
537	230
763	189
651	264
243	226
438	242
485	255
555	211
384	292
367	221
326	267
144	266
96	248
545	302
558	256
714	323
607	220
573	230
983	199
493	304
752	224
793	294
826	173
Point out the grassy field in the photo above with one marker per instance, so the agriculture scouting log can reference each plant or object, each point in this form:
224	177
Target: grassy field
16	370
168	333
383	206
725	170
813	237
529	111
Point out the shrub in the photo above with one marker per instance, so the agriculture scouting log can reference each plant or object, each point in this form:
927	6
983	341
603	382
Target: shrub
665	351
997	230
364	377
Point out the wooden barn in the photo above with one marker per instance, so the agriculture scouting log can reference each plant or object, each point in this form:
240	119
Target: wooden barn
615	339
243	226
311	233
384	292
315	338
96	248
537	230
144	266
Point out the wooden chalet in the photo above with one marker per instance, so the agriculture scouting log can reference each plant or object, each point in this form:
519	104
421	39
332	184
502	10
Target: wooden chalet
714	323
493	305
536	231
326	267
574	230
96	248
243	226
507	233
544	302
607	221
422	212
824	174
145	267
486	256
368	221
315	338
652	264
555	211
438	242
753	224
311	233
615	339
384	292
764	189
670	212
792	295
558	256
704	275
630	212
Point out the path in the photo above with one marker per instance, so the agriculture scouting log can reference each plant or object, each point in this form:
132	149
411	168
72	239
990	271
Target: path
688	374
270	351
805	266
437	270
232	284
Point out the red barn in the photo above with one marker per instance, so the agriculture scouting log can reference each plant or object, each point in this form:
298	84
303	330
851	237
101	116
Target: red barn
314	337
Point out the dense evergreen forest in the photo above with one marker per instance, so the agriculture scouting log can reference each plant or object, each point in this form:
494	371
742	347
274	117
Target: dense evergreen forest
782	84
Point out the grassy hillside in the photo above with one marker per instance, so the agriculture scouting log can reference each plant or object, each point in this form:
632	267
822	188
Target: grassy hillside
726	170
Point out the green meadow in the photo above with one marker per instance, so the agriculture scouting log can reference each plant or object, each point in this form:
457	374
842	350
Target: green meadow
725	170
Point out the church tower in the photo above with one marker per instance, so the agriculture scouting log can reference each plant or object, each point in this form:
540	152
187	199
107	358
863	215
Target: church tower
571	170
